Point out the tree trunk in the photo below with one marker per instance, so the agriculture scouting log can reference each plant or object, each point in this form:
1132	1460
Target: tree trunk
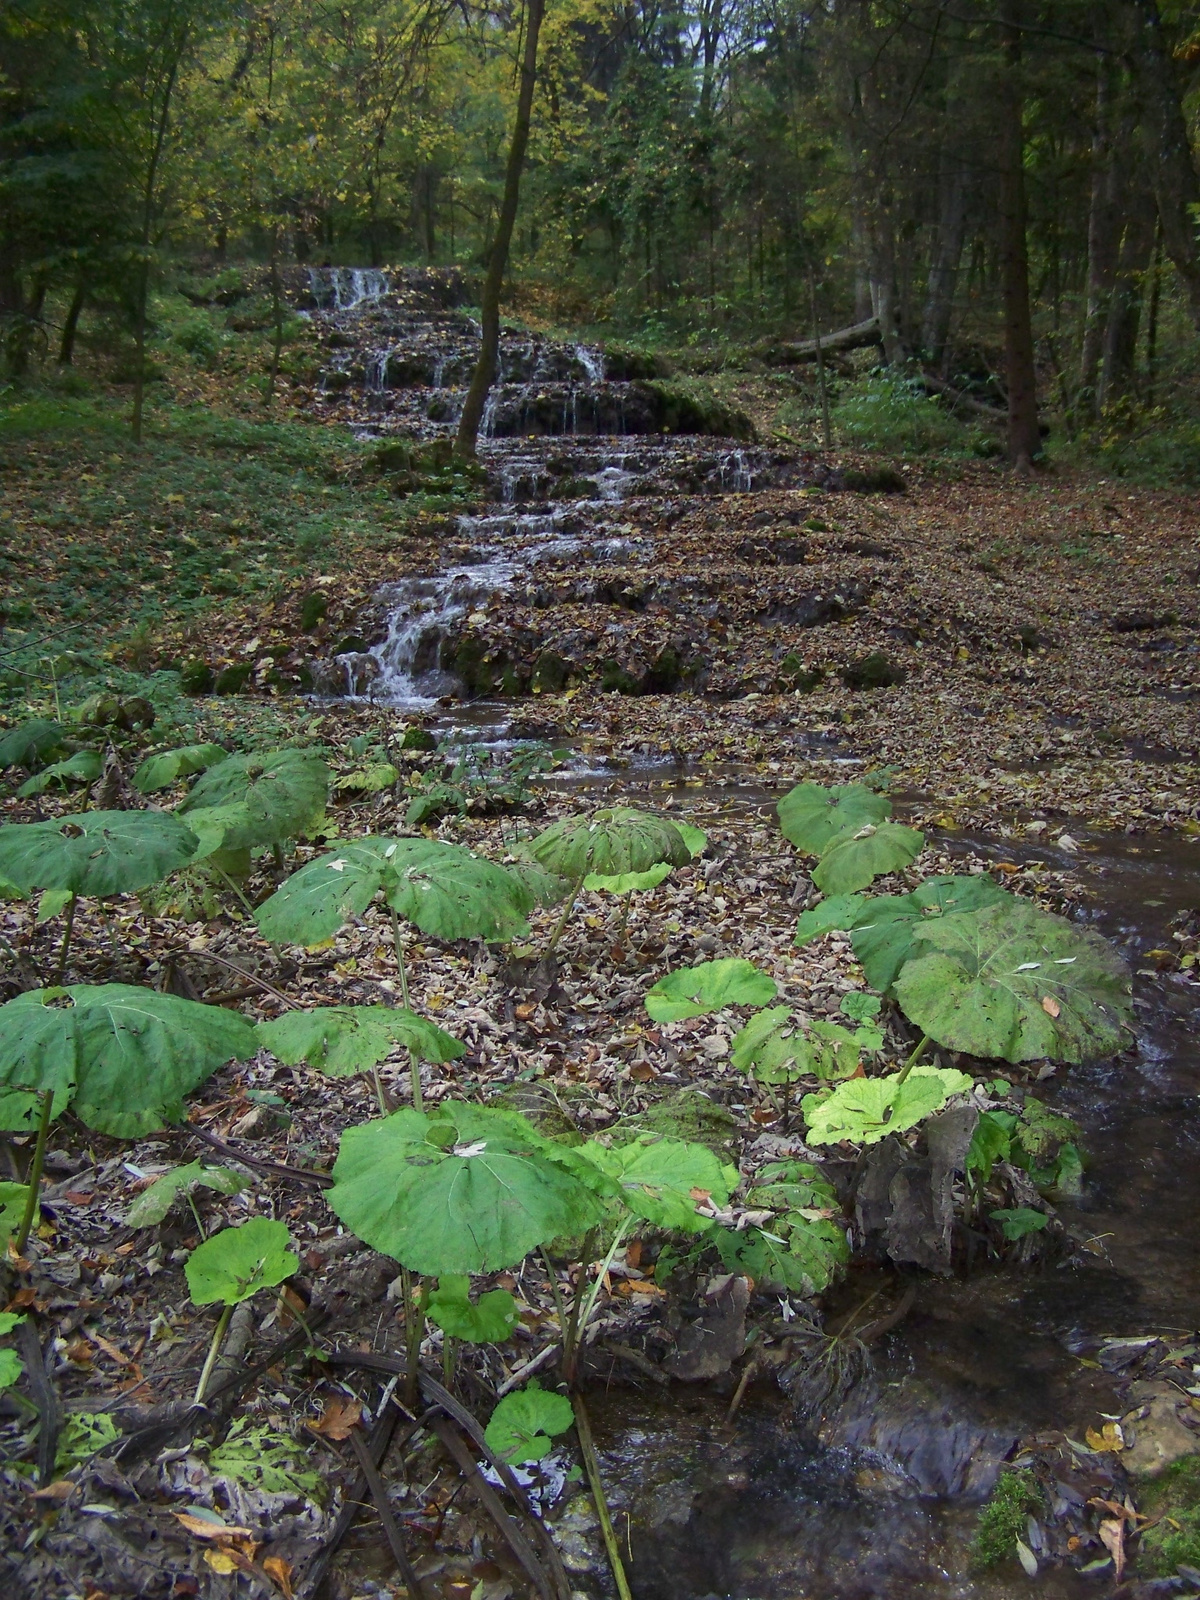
1125	305
1102	237
943	269
485	368
1024	439
1176	186
66	349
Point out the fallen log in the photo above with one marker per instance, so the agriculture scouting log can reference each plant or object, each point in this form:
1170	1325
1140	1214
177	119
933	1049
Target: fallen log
957	400
856	337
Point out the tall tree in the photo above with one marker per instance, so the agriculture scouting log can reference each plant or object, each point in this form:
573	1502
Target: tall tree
1020	369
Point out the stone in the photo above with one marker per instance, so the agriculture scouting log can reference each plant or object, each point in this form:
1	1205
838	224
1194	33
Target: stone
417	739
710	1345
1154	1433
233	679
196	677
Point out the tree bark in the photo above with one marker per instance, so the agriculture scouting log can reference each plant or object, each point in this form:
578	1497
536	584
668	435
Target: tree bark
1024	438
66	349
1103	235
856	337
1125	304
484	376
943	269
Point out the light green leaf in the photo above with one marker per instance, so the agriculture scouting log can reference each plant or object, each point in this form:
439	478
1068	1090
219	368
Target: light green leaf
52	903
161	771
835	915
524	1422
1013	982
11	1368
1020	1221
490	1320
95	852
662	1179
282	793
128	1056
865	1110
237	1262
260	1457
884	931
628	882
544	888
860	1006
774	1046
85	766
469	1190
343	1040
695	838
709	986
21	1109
151	1206
10	1319
13	1200
991	1142
611	842
83	1434
850	861
371	779
811	815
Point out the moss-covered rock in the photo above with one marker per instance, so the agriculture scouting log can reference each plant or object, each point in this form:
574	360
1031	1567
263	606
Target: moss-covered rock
1174	1498
233	679
550	673
795	673
875	671
1005	1518
873	480
418	739
196	677
616	679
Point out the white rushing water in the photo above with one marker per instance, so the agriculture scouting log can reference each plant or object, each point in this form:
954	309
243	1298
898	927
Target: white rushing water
344	288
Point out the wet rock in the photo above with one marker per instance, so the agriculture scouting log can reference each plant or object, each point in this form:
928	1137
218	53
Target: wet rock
351	644
616	679
550	673
874	671
1155	1431
812	610
418	739
710	1345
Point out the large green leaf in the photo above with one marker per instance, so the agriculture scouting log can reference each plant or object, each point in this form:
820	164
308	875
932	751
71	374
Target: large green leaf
488	1320
708	986
237	1262
774	1046
85	766
467	1190
885	927
451	894
800	1254
166	768
282	793
852	859
21	1109
1013	982
661	1179
128	1056
865	1110
610	842
628	882
834	915
95	852
23	745
520	1425
314	902
14	1197
152	1205
811	815
343	1040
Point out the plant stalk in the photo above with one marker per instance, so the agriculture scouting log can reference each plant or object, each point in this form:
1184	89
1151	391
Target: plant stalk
591	1463
915	1055
449	1351
33	1177
571	1328
213	1349
413	1328
567	909
66	939
618	1240
414	1066
385	1107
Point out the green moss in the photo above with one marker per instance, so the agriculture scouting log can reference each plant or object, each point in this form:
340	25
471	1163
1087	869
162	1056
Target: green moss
1004	1519
1175	1498
687	1115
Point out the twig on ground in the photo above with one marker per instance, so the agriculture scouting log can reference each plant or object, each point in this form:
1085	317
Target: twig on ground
378	1490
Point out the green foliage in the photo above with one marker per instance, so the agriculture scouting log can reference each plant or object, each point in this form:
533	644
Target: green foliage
259	799
1172	1498
523	1424
885	929
488	1320
259	1457
1005	1519
622	883
442	888
611	842
371	780
779	1047
467	1189
659	1179
343	1040
1040	1141
1019	1222
161	771
13	1197
805	1246
1013	982
85	766
865	1110
811	815
851	860
83	1433
11	1365
836	914
237	1262
95	852
153	1204
126	1056
894	414
708	986
29	742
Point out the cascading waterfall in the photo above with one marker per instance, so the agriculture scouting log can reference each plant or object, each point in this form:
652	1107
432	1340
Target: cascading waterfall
344	288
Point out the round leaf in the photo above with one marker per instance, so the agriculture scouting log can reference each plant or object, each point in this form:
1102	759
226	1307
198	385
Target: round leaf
610	842
799	1254
314	902
127	1056
95	852
709	986
835	915
628	882
663	1179
466	1191
342	1040
865	1110
13	1199
1013	982
451	894
166	768
811	815
237	1262
851	860
885	928
152	1205
283	793
489	1320
382	775
520	1425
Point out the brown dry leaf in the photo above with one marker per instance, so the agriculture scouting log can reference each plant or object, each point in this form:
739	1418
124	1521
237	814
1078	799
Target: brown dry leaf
525	1010
281	1572
61	1489
1050	1005
643	1072
222	1561
1109	1437
1112	1533
204	1529
109	1349
338	1419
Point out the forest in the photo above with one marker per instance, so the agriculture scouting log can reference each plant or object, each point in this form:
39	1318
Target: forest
599	800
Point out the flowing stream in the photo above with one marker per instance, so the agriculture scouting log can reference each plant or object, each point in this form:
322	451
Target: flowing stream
879	1502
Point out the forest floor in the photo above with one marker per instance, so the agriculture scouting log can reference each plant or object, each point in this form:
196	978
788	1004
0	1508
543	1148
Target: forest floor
1042	639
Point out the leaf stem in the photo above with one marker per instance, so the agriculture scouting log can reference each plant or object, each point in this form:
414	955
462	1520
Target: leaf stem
618	1240
217	1340
567	909
414	1066
591	1463
449	1350
66	939
915	1055
414	1322
385	1108
33	1177
571	1330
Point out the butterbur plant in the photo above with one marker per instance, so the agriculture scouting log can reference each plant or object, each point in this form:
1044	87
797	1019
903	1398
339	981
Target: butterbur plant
624	885
344	1040
849	830
231	1267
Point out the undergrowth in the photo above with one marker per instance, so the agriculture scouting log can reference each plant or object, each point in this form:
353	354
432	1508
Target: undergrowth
1005	1518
